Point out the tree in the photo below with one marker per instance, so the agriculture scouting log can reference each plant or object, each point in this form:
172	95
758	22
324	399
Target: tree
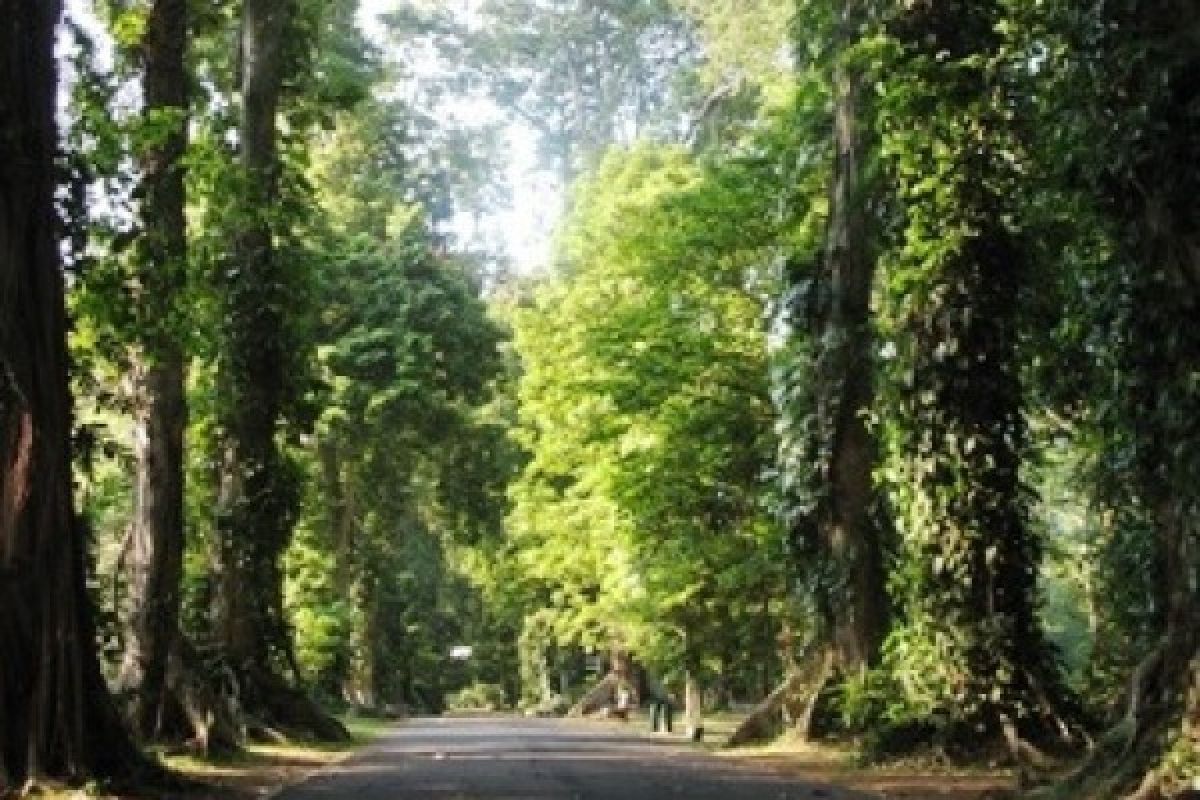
743	40
56	718
154	551
582	75
970	649
1128	109
257	495
835	526
644	405
405	353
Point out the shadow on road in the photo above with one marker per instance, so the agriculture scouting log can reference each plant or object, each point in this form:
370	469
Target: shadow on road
504	758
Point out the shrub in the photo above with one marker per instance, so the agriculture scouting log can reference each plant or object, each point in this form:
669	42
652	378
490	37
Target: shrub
478	697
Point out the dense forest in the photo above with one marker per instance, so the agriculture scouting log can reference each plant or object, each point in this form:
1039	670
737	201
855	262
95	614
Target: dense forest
859	386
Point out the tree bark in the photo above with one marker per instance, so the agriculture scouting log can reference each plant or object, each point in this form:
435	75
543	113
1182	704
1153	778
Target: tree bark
252	521
154	559
838	543
858	615
56	718
693	706
256	501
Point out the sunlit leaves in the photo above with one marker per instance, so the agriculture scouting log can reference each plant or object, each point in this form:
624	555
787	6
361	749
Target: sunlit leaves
644	405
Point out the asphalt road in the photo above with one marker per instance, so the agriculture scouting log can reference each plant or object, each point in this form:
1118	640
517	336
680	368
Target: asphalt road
540	759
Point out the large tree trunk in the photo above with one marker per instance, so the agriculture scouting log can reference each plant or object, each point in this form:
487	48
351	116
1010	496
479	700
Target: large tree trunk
56	718
838	543
154	556
1148	186
858	614
969	558
256	501
1157	203
252	519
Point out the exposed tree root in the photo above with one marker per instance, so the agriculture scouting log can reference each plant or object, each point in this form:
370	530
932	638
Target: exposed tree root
198	712
1031	763
1122	763
599	696
288	710
1037	745
792	702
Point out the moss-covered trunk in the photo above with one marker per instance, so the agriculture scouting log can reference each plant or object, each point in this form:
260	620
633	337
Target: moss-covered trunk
970	651
253	522
256	495
829	454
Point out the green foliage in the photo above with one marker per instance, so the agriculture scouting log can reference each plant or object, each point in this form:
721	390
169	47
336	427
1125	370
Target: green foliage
1114	126
323	618
478	697
638	518
742	40
624	472
581	74
969	644
405	355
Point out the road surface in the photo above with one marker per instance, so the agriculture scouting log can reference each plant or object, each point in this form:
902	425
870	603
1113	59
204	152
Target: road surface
502	758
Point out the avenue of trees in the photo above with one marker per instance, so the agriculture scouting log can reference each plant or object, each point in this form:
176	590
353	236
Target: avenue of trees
862	387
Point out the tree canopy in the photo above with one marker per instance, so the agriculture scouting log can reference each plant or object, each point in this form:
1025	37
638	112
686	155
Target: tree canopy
860	386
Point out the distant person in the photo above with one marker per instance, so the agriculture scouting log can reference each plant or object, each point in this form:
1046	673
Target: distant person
624	698
660	706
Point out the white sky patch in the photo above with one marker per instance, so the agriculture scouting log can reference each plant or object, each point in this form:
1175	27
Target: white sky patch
523	229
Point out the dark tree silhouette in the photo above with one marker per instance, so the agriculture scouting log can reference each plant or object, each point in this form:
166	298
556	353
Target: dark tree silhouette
56	718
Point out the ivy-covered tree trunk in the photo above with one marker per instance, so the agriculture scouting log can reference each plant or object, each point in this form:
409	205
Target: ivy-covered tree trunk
154	554
256	496
339	500
1152	189
828	452
856	606
971	651
1143	71
825	386
56	718
252	522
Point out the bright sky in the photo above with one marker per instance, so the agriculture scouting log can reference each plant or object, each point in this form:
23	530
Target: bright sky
523	230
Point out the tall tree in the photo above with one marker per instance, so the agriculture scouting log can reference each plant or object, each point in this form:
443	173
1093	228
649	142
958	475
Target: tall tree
405	351
256	495
154	551
56	718
837	536
970	649
582	74
645	407
1132	113
252	518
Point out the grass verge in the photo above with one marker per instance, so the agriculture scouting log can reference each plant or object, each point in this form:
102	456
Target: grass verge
838	764
263	769
259	771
